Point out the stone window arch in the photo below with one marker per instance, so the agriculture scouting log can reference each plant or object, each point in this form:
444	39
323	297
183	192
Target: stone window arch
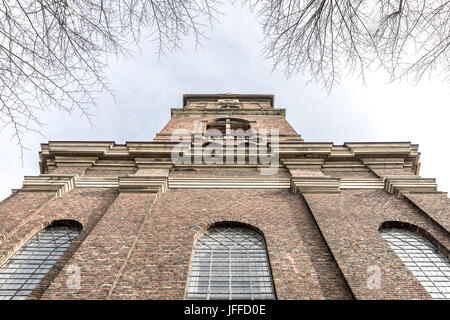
430	266
21	273
230	262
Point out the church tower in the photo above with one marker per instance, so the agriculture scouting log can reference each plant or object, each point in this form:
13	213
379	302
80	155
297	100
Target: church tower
227	202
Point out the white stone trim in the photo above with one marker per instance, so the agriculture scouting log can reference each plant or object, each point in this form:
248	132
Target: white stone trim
373	183
48	182
229	183
97	182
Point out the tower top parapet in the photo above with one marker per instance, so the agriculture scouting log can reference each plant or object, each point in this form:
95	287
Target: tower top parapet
228	100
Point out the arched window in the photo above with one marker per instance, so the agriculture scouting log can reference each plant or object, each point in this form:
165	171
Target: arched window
423	259
20	274
230	263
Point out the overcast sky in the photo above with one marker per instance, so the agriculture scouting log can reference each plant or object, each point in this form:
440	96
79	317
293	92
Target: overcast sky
146	89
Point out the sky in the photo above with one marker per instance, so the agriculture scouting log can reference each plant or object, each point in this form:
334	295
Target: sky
230	61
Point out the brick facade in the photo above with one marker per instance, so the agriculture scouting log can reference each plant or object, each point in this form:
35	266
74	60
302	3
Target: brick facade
140	213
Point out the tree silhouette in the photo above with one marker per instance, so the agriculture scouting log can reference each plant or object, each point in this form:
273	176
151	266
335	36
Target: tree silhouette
329	39
53	54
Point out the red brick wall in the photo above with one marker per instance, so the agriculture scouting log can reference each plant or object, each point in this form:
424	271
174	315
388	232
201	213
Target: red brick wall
132	246
104	253
262	122
301	264
436	205
350	224
85	206
17	210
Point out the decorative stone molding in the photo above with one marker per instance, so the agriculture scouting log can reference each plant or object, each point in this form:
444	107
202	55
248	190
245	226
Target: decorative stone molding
70	148
384	162
114	165
48	182
341	152
306	172
154	172
247	112
140	180
146	182
380	148
361	184
137	155
151	150
142	183
144	163
291	150
308	163
97	182
241	97
315	185
344	166
229	183
303	163
401	185
63	161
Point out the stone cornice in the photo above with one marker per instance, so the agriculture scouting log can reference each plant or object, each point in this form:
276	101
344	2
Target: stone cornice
142	183
132	183
403	184
155	150
138	155
291	150
380	148
385	162
369	183
58	184
87	148
97	182
343	165
302	163
156	183
215	97
315	184
230	183
144	163
249	112
68	161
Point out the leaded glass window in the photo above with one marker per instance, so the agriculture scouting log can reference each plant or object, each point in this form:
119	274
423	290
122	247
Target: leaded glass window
423	259
230	263
20	274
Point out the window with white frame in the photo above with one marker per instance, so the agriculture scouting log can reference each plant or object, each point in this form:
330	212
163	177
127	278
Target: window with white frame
423	259
230	263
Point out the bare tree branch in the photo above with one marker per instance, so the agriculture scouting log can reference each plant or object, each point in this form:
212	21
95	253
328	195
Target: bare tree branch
53	53
331	38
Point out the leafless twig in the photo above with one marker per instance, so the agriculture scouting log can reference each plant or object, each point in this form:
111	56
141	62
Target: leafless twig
53	53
